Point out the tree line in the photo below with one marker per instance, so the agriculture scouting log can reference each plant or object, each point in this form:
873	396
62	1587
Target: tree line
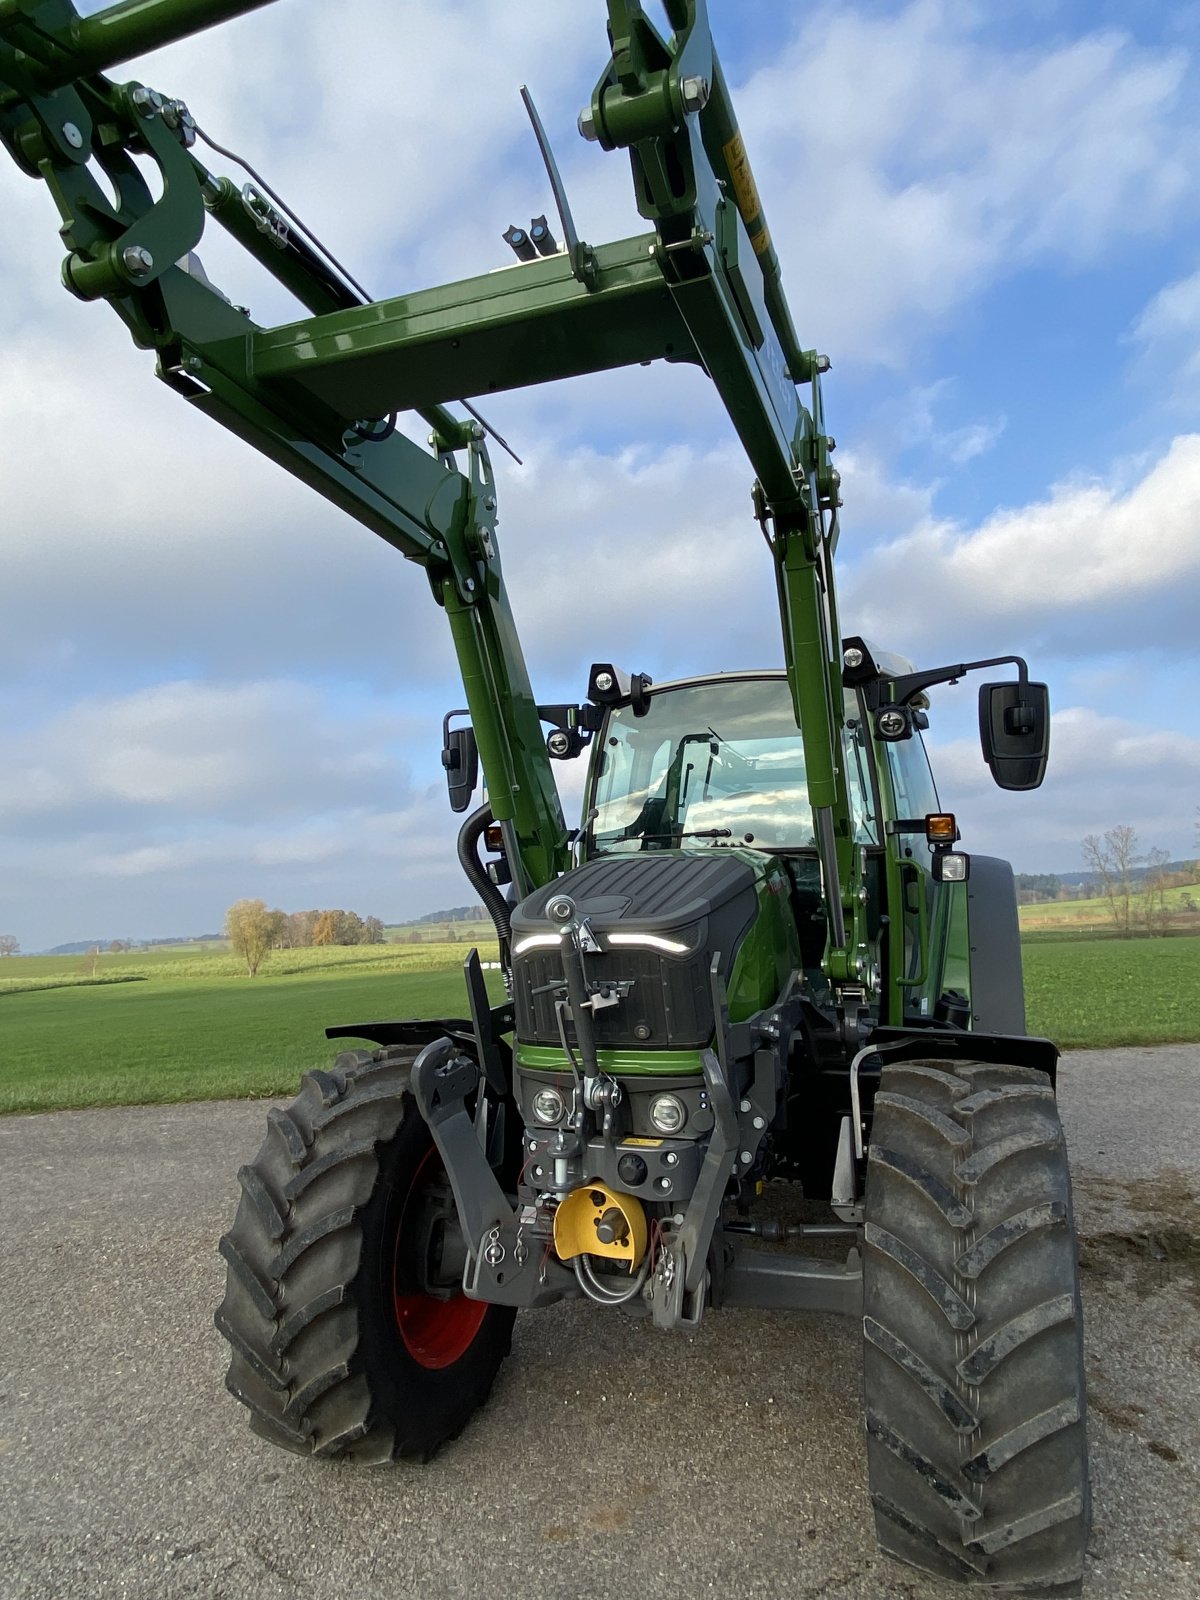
254	931
1134	882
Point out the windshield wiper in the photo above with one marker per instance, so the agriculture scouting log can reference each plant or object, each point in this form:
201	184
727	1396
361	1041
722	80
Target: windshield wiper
695	833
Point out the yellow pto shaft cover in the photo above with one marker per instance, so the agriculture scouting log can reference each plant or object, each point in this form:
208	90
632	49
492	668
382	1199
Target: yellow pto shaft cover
595	1220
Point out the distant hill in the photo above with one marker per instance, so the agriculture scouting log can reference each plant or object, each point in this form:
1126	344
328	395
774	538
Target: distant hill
1076	880
458	914
80	947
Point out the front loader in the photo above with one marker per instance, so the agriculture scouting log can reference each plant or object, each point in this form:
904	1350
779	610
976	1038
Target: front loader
759	970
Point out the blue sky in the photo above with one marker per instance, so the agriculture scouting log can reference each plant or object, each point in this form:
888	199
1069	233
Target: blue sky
213	685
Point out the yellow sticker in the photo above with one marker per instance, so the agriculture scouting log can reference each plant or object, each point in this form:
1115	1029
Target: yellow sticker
650	1144
744	190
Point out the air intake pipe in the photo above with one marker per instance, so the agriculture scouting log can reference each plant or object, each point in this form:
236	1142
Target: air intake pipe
493	898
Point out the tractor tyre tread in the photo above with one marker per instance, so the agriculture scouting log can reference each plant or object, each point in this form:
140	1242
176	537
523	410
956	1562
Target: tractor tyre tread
973	1360
308	1358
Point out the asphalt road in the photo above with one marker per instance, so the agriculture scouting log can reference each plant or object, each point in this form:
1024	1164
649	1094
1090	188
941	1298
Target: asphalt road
611	1460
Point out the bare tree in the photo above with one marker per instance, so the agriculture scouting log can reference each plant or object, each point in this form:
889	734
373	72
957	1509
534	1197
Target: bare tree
373	931
10	945
249	927
299	929
1156	912
1112	860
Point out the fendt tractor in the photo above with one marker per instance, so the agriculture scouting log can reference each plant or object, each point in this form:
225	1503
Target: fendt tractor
758	973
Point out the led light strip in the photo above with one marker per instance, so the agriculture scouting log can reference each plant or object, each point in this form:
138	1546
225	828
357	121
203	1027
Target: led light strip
644	941
536	941
649	941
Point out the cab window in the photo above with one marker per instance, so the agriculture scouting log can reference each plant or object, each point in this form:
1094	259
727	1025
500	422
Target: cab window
718	762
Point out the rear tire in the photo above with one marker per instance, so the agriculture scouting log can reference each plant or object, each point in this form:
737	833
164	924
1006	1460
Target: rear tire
337	1350
973	1356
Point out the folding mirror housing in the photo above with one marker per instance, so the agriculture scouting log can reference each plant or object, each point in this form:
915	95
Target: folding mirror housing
460	757
1014	730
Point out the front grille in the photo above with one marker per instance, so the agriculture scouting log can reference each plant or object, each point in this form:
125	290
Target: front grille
673	999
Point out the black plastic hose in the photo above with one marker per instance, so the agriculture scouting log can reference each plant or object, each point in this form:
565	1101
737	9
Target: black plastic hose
497	906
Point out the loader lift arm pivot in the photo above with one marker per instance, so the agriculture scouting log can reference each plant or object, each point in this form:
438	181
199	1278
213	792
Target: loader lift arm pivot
703	286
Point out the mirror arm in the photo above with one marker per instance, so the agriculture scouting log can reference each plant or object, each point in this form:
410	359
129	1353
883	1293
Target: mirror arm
446	721
904	688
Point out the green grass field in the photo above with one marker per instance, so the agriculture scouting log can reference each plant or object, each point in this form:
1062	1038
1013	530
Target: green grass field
184	1024
207	961
1087	993
188	1024
1076	916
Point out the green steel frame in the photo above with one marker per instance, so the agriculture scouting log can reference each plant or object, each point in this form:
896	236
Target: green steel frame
702	286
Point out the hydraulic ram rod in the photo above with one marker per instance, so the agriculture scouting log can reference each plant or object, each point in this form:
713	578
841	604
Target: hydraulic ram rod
725	150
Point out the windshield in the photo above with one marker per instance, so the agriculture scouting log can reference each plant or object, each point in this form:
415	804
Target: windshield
709	761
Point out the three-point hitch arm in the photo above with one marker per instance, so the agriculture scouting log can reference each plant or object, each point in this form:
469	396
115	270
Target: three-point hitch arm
320	395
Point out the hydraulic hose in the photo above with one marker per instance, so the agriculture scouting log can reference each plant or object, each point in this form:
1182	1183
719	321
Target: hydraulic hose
595	1289
497	906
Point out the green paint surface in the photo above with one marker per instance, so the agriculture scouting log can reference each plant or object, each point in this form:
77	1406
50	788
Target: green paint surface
618	1063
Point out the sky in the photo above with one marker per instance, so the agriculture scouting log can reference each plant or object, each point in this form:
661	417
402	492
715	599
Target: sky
213	685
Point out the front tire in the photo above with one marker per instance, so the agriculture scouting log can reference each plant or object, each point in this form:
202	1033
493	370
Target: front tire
338	1347
973	1357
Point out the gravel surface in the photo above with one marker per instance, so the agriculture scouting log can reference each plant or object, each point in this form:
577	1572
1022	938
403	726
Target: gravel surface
611	1460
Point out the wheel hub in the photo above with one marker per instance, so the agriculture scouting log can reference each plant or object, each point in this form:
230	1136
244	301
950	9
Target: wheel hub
434	1318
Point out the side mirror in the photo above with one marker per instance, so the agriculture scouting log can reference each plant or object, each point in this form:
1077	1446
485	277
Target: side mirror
461	761
1014	730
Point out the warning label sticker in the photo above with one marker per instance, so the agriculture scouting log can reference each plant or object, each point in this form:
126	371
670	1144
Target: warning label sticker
745	192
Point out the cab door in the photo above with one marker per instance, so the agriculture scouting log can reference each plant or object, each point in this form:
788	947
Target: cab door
916	900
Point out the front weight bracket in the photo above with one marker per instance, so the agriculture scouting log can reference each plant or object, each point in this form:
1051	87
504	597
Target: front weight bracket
442	1079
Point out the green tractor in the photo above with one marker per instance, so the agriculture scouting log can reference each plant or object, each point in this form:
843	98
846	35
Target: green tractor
759	972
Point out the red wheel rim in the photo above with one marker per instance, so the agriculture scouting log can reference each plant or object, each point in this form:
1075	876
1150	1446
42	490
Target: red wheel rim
436	1333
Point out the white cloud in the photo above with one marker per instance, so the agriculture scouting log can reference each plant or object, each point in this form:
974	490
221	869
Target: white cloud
651	557
1103	770
963	445
933	162
154	537
1168	333
1094	566
192	751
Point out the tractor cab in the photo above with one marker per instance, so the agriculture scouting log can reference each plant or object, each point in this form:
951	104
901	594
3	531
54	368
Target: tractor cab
717	764
710	763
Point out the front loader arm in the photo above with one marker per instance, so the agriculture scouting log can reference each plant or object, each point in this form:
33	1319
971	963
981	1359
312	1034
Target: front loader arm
320	395
139	254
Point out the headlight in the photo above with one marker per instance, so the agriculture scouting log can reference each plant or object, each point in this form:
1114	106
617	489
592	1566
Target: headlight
668	1113
549	1106
951	866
